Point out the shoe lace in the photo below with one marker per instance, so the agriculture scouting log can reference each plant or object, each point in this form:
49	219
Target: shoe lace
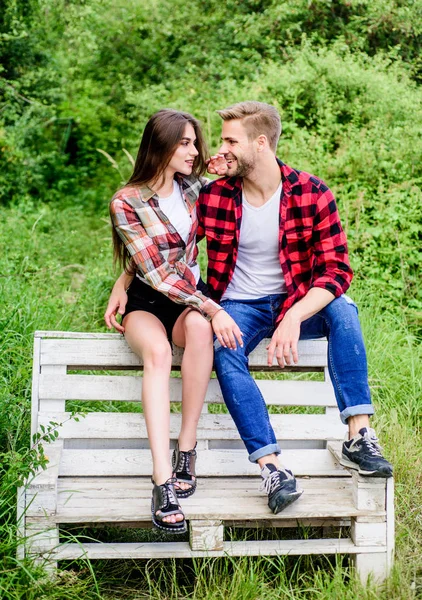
184	459
169	496
272	482
371	443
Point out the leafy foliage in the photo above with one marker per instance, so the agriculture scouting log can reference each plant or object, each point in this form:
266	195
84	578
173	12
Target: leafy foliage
343	75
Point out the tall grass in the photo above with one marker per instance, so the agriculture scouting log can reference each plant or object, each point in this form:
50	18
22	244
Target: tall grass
58	277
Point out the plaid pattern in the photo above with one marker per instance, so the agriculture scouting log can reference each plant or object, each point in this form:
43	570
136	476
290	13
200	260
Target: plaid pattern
159	254
313	247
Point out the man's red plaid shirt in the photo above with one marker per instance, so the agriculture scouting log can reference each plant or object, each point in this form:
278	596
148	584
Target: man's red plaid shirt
312	243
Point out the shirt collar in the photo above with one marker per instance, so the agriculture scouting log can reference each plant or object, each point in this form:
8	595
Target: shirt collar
146	193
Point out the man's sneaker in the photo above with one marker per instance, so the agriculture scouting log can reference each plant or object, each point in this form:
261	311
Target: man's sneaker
363	453
280	485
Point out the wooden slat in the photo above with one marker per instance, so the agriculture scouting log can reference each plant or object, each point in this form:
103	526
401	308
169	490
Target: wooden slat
112	486
335	449
129	389
75	335
389	506
211	426
129	500
116	353
35	385
182	550
210	463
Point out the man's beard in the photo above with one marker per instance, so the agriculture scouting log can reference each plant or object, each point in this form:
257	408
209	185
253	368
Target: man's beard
245	166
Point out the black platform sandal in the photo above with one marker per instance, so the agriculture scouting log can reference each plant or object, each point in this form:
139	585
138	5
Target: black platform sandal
164	502
184	470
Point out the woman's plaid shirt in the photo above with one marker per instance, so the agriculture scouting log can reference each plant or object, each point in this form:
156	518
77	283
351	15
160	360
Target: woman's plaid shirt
312	243
159	254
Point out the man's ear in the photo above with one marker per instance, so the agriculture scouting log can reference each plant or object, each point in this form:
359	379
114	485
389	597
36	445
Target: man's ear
261	142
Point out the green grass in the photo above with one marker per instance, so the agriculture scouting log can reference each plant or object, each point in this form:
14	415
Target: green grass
58	277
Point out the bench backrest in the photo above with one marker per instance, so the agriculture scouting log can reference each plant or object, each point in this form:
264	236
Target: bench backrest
101	368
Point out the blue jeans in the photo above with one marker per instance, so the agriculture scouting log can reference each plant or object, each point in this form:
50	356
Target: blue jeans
338	322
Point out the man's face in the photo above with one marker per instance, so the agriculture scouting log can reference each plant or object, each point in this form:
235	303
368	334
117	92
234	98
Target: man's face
237	149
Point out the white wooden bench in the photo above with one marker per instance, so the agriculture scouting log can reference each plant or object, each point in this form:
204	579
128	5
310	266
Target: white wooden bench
99	467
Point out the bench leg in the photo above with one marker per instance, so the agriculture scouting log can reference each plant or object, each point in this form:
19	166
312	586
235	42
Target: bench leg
389	505
41	542
206	534
373	566
374	494
371	531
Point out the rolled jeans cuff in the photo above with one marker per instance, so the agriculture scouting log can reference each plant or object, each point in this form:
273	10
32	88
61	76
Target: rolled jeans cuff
359	409
269	449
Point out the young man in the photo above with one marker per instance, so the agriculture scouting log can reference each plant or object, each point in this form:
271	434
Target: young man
278	265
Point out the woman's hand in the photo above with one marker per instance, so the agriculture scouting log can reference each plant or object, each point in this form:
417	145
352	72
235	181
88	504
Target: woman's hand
217	165
226	330
117	303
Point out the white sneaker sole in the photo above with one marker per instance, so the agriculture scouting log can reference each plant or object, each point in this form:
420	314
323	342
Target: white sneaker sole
345	462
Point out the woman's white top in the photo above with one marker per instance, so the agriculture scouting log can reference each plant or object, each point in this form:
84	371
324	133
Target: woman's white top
174	208
257	272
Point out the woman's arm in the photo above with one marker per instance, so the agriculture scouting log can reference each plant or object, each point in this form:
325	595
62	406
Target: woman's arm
174	281
117	301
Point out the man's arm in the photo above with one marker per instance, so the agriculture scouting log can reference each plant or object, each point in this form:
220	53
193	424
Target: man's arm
286	336
332	269
332	275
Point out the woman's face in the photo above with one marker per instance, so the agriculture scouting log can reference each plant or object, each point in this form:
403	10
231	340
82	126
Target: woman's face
185	153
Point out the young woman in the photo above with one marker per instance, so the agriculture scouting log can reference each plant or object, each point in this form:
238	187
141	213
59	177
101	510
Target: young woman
154	227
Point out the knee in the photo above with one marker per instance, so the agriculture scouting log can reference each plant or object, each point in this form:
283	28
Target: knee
342	313
198	331
229	360
339	308
158	356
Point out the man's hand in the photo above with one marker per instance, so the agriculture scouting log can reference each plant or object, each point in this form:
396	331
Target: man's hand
226	330
217	165
116	305
286	336
284	341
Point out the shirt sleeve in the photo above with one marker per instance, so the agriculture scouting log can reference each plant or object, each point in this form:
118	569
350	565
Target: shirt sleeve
174	281
332	269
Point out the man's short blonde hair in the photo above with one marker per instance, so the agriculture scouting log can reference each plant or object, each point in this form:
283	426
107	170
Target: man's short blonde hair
258	119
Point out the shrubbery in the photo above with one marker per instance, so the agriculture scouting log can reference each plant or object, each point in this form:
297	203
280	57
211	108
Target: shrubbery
79	76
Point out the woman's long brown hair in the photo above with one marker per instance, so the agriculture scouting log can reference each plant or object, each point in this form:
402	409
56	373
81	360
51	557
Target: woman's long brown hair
161	136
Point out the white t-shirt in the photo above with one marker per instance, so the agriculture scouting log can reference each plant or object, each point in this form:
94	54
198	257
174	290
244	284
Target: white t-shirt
174	208
257	272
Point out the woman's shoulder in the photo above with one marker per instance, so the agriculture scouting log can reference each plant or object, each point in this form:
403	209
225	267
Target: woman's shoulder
129	194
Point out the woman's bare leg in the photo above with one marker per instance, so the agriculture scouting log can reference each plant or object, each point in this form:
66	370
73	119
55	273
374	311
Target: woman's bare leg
194	333
147	337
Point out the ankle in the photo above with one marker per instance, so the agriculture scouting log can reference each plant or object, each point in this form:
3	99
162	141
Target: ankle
356	423
161	476
270	459
187	443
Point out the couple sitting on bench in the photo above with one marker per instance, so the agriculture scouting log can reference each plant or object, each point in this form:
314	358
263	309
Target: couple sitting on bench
277	268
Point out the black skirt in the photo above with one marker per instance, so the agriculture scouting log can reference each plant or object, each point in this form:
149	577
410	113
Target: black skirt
142	296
